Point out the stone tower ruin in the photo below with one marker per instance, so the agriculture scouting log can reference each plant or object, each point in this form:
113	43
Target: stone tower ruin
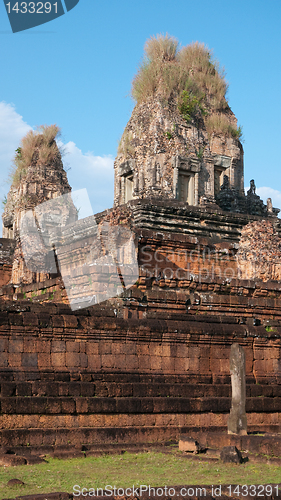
38	176
182	141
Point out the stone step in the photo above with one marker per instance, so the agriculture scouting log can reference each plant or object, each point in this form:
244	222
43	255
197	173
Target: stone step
165	386
32	405
94	405
118	389
48	439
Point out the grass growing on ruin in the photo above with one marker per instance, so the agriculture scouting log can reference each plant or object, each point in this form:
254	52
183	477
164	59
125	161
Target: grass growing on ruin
40	146
155	469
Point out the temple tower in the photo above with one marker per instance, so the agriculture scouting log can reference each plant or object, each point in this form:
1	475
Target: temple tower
182	137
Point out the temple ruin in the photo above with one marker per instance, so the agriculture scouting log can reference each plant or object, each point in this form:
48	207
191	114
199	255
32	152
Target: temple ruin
152	360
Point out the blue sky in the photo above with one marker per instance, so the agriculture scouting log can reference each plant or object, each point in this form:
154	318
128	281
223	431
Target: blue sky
76	71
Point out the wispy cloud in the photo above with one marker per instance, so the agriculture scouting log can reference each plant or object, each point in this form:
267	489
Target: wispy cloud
12	129
95	173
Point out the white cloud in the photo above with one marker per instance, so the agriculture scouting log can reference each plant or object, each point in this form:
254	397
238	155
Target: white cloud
12	129
95	173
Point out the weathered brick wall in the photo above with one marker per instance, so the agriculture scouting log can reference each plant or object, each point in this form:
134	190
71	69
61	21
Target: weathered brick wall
94	376
7	247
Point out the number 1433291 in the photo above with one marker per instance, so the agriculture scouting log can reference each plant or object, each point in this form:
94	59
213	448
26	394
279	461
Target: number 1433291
32	7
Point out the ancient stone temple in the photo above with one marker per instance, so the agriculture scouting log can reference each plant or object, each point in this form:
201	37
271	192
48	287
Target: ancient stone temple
89	358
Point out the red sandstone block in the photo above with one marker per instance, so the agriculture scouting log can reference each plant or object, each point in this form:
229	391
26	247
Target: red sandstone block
68	405
72	359
16	346
101	389
249	367
88	389
126	390
30	319
155	349
58	359
118	348
8	389
260	365
156	363
43	346
94	361
29	345
83	360
29	360
58	346
74	389
182	351
63	389
57	321
15	319
14	360
72	346
224	365
144	362
119	361
53	406
272	353
92	348
143	349
44	360
194	365
70	321
194	351
258	353
8	405
168	364
130	348
4	318
3	359
81	405
105	347
44	320
182	365
83	347
83	322
3	344
36	437
204	365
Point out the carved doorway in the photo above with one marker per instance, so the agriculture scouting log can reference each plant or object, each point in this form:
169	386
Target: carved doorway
186	187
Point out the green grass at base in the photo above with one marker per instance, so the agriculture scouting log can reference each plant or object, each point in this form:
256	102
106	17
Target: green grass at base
155	469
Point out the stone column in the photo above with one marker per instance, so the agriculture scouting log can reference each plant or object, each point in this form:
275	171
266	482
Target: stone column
122	189
135	183
176	182
196	181
237	421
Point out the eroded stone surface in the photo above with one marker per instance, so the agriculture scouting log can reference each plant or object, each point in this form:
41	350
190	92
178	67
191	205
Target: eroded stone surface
259	251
